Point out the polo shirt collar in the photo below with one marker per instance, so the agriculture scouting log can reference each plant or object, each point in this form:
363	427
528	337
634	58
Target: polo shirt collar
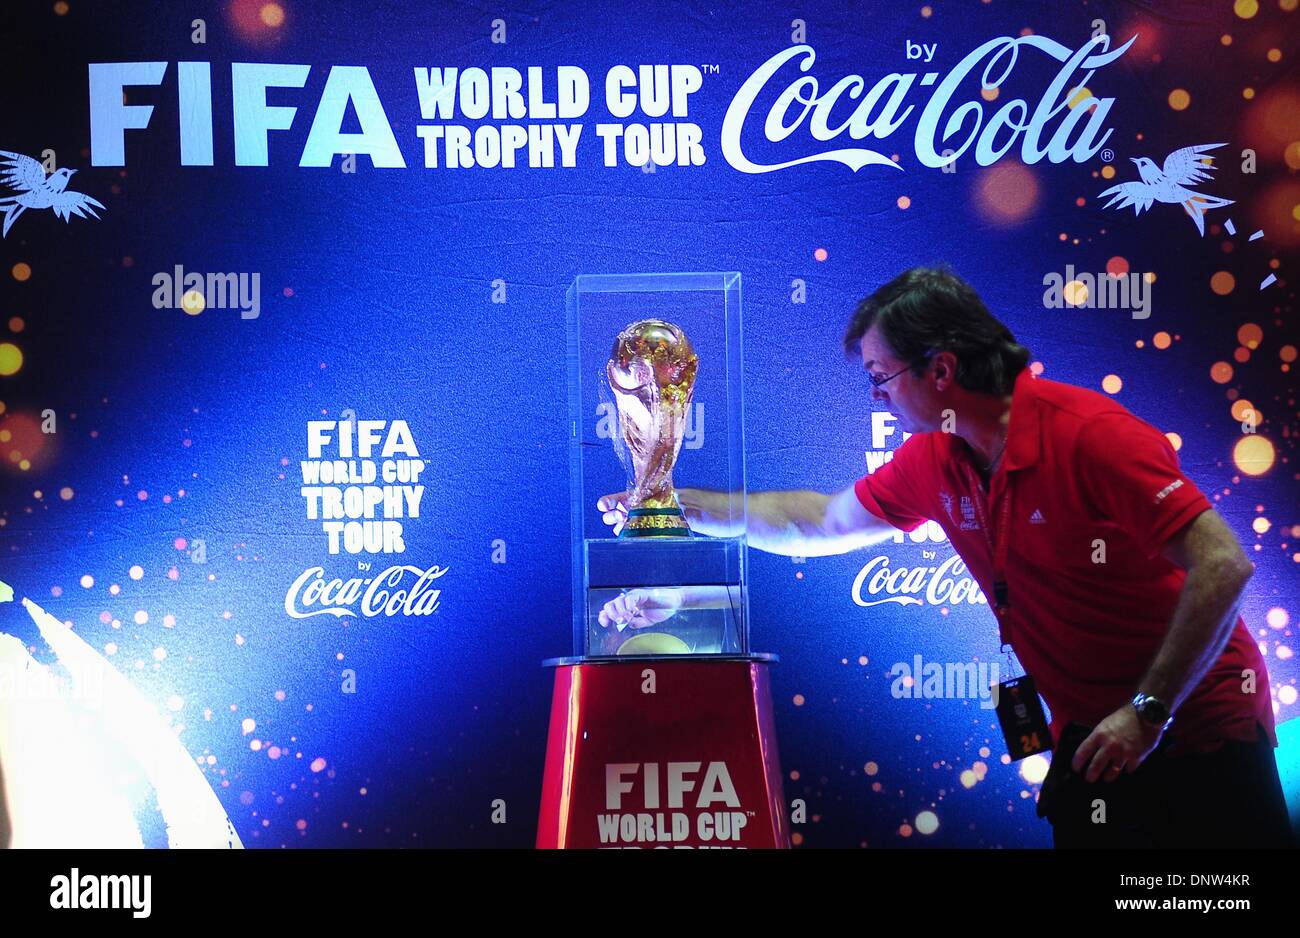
1023	437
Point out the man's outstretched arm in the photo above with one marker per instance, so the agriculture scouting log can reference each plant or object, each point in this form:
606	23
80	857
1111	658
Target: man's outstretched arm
796	524
799	523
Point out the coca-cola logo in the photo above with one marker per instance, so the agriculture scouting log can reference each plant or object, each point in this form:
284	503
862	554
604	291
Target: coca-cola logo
390	593
945	585
1079	134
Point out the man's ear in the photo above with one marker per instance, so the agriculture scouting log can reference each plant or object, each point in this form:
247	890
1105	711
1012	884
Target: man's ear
945	369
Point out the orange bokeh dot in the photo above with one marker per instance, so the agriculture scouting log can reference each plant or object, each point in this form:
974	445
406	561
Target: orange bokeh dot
1223	283
1221	372
272	14
1244	409
1175	441
1179	99
16	324
22	271
1250	335
904	202
1007	193
1287	353
1161	340
1242	355
1117	266
1112	384
820	254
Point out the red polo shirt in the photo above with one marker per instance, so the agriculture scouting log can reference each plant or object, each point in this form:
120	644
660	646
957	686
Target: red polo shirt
1082	473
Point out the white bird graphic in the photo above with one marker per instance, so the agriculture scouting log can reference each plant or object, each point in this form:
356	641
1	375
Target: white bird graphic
1170	183
35	190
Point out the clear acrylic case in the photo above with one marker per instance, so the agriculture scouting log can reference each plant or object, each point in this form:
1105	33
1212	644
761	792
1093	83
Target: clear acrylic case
693	403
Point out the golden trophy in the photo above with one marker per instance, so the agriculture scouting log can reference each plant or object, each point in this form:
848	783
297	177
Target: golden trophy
652	375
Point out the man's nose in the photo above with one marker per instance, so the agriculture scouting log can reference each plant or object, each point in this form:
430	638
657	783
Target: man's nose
879	395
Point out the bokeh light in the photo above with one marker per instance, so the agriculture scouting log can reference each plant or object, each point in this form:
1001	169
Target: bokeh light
1033	769
1006	193
1223	283
193	302
1254	454
1250	335
11	359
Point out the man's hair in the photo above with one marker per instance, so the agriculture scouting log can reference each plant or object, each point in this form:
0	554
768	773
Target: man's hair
930	309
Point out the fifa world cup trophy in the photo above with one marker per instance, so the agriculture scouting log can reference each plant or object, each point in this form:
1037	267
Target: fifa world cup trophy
652	374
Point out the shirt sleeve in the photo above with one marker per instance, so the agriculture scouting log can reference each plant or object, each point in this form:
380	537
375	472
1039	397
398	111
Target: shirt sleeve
890	493
1131	475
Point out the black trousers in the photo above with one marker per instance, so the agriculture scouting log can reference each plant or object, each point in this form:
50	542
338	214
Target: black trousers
1229	798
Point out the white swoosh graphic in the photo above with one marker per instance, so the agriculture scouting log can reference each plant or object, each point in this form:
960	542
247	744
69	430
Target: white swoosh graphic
55	793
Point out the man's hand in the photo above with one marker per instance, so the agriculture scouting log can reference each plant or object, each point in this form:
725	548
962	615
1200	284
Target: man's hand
639	608
613	510
1118	744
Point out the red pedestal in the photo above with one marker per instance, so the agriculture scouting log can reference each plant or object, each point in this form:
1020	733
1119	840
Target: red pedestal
662	752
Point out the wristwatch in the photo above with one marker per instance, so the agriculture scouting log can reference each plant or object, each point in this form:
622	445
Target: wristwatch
1152	711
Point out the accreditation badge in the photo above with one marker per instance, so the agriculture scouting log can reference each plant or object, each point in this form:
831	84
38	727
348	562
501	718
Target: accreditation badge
1024	725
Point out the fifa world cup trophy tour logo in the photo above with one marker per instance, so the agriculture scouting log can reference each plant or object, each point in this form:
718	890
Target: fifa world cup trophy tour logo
652	375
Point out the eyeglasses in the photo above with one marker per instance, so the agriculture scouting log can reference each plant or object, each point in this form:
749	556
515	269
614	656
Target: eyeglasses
880	382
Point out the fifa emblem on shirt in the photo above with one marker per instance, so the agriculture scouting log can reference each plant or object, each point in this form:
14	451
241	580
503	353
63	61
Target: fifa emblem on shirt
945	499
968	521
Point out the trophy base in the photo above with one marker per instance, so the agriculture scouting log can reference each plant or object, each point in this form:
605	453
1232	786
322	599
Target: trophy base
655	522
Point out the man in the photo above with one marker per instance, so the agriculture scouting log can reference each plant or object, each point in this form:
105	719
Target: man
1112	578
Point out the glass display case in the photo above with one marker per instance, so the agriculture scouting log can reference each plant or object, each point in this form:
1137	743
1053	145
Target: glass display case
655	409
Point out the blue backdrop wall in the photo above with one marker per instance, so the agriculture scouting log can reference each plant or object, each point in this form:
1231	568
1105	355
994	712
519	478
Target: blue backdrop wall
435	295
